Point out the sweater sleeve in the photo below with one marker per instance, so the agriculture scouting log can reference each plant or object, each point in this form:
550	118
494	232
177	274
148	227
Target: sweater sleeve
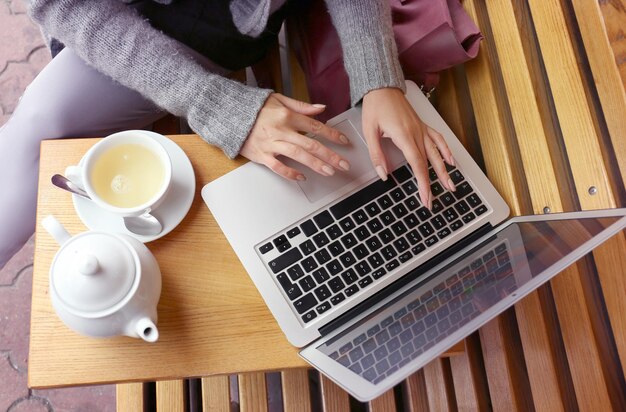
121	44
369	48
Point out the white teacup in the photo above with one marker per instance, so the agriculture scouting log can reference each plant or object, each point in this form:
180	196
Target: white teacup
127	173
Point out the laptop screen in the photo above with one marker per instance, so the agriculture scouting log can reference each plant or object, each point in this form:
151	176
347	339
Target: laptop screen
443	307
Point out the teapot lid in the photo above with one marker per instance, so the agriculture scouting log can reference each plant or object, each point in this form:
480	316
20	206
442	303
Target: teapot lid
93	271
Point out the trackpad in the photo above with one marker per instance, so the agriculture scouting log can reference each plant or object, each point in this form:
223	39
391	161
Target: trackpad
317	186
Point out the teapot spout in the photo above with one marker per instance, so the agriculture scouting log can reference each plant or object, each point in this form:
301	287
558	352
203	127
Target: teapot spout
54	227
147	330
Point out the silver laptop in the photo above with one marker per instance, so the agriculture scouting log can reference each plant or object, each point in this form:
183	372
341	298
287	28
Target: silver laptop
372	284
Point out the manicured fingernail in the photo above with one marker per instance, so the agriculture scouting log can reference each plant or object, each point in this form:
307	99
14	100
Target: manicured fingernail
319	106
452	161
328	170
451	185
344	139
344	165
381	173
301	178
430	201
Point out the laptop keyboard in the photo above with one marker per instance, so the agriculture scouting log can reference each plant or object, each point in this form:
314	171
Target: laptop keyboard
347	248
408	332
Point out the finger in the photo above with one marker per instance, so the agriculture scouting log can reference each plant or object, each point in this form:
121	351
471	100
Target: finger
300	106
432	152
310	125
317	149
377	156
300	155
419	164
438	139
281	169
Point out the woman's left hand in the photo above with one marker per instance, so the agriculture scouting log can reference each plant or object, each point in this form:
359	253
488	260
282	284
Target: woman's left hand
387	113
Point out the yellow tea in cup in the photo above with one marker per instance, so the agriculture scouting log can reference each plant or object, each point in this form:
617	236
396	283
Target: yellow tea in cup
127	175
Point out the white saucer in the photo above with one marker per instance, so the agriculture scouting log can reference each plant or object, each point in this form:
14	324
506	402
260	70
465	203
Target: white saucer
171	212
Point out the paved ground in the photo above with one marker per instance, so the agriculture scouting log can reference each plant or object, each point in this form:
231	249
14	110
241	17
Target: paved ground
22	56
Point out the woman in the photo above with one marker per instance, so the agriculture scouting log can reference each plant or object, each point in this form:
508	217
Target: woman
125	64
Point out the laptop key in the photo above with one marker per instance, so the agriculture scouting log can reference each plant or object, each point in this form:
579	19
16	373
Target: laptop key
456	225
398	228
322	256
468	217
323	219
405	256
450	214
322	292
437	206
373	243
431	241
447	199
374	225
436	189
411	203
375	260
347	259
365	281
443	233
462	190
417	249
321	275
309	316
362	233
334	232
338	298
480	210
308	227
307	283
349	276
307	247
280	240
323	307
426	229
379	273
411	221
359	217
409	187
397	194
283	246
386	236
392	265
372	209
347	224
414	237
334	267
335	248
293	232
309	264
351	290
389	252
321	239
401	245
361	252
473	200
285	260
462	207
305	303
385	202
401	174
348	240
387	218
266	248
399	210
295	272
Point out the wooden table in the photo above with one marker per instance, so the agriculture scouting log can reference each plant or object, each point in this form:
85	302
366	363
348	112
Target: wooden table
203	327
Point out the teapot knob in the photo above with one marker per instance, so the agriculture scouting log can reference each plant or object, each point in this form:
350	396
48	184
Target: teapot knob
88	265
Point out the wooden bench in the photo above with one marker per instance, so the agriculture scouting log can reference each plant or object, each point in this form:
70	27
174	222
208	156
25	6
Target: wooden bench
543	111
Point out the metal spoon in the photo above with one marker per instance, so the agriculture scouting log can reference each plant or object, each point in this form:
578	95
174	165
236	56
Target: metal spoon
145	225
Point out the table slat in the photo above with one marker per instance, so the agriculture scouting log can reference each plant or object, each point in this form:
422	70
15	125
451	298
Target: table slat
170	396
296	391
216	394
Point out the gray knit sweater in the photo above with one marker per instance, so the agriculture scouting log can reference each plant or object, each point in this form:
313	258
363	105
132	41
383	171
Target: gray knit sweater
114	39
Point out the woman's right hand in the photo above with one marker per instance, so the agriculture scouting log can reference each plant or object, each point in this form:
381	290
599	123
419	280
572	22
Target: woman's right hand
276	132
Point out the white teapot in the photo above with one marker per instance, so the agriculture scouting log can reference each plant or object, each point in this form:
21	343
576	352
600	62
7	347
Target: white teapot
104	284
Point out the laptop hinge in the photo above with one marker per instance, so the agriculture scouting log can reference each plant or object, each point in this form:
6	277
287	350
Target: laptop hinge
404	280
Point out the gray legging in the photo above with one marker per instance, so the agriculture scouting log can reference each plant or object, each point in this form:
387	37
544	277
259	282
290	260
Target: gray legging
67	99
